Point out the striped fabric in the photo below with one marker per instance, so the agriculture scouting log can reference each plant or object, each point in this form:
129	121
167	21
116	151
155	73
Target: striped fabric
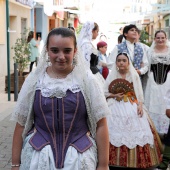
138	157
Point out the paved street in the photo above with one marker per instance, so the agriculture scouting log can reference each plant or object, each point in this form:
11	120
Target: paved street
6	128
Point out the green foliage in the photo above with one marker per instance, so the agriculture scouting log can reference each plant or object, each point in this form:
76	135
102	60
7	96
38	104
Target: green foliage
78	29
22	52
144	36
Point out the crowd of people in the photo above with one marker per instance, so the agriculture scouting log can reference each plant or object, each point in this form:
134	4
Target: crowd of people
83	109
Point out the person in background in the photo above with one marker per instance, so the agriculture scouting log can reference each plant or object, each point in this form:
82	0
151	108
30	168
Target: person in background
59	123
88	33
144	46
120	38
33	48
102	64
103	37
158	82
72	29
166	154
121	30
137	54
134	142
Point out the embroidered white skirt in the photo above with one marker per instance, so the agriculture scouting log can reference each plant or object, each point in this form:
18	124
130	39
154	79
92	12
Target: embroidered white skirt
155	103
126	127
44	160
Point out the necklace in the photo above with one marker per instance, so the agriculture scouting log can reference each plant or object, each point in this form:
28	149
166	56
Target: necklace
59	76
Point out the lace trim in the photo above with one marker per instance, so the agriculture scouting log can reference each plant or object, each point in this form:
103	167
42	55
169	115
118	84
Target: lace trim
160	57
131	143
95	101
51	87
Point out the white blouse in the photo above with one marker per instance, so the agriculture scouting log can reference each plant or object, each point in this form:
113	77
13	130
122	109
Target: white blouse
54	87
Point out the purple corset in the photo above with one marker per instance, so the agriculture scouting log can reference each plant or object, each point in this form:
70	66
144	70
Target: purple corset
60	122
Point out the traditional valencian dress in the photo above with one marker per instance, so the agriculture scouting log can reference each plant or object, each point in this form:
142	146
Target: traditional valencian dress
134	142
158	84
61	136
88	50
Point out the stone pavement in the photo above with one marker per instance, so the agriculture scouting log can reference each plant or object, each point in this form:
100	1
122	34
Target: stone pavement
6	127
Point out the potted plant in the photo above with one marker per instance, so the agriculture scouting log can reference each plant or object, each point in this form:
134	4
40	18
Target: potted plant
22	52
21	58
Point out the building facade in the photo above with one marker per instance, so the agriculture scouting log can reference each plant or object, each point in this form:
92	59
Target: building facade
19	19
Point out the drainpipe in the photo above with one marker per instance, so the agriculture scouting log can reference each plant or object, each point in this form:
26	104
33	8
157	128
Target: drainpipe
8	50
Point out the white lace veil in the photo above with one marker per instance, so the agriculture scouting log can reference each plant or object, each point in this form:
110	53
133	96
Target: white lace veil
23	110
85	41
134	75
85	33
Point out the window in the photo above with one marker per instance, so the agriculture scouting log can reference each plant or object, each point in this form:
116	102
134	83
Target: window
167	23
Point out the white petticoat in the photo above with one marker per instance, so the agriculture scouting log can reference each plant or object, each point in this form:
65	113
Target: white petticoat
126	127
155	103
43	160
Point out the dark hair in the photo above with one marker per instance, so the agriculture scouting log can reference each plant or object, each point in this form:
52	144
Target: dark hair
102	35
64	32
120	38
159	32
138	31
72	28
95	26
122	53
30	36
127	28
120	28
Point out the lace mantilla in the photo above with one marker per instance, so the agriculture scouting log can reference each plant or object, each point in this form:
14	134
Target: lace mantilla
53	87
160	57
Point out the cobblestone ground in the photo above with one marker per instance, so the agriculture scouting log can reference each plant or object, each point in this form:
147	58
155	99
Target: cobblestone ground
6	133
6	127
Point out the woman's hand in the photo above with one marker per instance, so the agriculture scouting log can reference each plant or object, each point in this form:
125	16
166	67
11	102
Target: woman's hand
102	64
118	95
102	167
168	113
140	110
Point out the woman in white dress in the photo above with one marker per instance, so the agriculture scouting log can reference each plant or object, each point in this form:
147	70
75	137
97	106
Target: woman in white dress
158	81
134	142
88	33
60	123
166	154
